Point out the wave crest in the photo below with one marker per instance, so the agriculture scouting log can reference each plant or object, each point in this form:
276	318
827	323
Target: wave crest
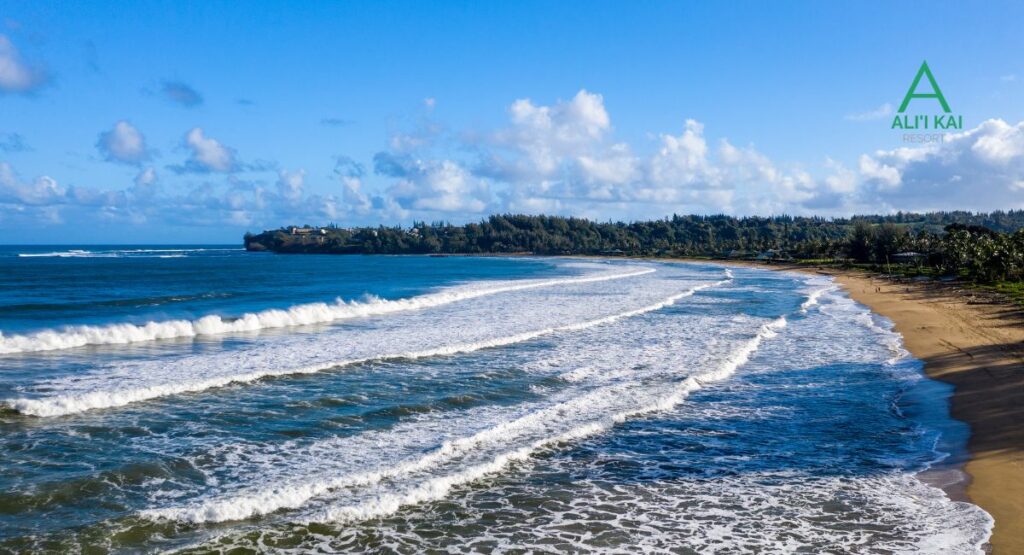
69	337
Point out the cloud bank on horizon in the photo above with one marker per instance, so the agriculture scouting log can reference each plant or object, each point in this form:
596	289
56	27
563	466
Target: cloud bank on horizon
560	158
171	156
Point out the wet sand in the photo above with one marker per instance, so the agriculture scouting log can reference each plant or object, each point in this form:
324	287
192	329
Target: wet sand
976	343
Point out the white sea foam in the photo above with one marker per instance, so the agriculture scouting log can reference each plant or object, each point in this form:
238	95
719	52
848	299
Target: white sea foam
117	253
814	296
120	389
73	253
774	510
494	448
298	315
753	466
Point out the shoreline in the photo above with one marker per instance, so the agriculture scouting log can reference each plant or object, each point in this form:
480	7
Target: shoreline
976	346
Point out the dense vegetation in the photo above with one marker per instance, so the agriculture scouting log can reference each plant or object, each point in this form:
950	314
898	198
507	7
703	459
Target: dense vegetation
985	248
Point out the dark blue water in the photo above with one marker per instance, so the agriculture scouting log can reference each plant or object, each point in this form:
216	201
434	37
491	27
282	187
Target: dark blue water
49	286
221	400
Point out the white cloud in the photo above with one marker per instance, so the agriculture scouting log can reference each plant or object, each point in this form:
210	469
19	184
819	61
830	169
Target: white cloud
557	159
15	75
146	177
872	169
882	111
442	186
542	138
999	142
40	191
289	184
207	153
978	169
577	121
566	165
230	202
124	143
683	159
617	166
352	194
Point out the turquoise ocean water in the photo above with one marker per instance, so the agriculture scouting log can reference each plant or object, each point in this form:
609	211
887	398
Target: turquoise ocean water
205	399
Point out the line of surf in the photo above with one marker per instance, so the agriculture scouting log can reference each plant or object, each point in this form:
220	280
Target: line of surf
277	497
61	405
304	314
81	253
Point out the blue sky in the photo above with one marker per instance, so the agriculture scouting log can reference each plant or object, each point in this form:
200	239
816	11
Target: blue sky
148	122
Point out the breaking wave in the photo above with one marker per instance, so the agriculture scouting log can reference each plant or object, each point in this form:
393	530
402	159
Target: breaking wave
60	405
304	314
119	253
607	403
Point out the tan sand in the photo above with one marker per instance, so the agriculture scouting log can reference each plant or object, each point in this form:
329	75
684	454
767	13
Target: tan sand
975	343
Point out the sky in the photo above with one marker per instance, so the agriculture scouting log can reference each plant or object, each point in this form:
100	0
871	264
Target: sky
154	122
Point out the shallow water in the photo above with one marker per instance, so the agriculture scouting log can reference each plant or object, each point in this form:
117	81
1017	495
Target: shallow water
491	404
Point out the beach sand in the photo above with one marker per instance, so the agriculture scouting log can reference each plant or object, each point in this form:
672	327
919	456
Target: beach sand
975	343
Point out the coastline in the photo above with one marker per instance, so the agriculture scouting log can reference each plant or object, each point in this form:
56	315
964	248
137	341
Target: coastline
977	346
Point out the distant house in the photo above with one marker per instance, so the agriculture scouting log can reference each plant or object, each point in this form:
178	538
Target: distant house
772	254
909	256
307	231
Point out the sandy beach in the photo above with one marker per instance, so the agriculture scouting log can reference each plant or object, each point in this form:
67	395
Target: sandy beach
975	343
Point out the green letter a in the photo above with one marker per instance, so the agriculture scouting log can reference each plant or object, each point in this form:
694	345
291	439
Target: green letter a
935	88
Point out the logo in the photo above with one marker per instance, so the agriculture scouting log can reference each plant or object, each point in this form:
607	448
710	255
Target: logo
927	121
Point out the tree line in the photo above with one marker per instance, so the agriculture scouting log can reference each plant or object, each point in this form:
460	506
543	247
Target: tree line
982	247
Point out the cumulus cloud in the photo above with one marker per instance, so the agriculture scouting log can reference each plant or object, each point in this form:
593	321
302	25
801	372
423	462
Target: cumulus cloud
353	194
228	201
289	184
207	154
617	166
558	158
977	169
441	186
124	143
683	160
17	76
181	93
541	138
40	191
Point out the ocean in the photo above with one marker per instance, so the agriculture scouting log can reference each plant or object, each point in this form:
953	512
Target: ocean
205	399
